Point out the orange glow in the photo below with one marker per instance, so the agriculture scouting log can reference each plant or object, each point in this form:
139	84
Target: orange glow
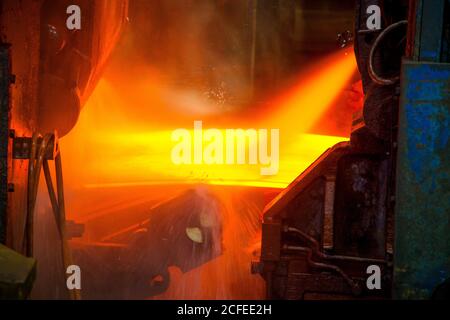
301	107
144	159
120	151
227	276
113	150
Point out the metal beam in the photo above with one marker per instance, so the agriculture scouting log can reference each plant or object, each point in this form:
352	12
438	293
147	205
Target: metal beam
430	22
5	80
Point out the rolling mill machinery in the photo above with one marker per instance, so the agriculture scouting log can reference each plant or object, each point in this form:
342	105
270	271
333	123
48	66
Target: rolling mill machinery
374	207
47	74
380	200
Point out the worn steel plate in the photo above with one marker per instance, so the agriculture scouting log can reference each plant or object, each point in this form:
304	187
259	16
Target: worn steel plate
422	246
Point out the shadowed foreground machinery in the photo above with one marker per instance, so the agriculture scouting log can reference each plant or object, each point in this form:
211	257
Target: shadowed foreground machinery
184	231
382	198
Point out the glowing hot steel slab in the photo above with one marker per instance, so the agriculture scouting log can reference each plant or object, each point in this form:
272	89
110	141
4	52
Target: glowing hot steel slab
145	159
114	151
124	167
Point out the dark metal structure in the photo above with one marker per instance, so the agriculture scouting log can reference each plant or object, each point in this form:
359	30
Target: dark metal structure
47	72
338	217
5	81
422	213
138	257
16	276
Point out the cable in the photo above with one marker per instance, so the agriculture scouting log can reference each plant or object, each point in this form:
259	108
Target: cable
315	251
51	192
319	253
65	250
38	161
373	75
354	286
34	170
28	219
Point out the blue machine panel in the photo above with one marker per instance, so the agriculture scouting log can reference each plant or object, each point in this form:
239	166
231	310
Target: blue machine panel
422	245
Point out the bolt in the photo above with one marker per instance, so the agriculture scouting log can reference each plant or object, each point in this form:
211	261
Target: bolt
11	187
12	133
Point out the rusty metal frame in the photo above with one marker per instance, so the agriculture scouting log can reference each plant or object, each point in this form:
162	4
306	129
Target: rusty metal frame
5	81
